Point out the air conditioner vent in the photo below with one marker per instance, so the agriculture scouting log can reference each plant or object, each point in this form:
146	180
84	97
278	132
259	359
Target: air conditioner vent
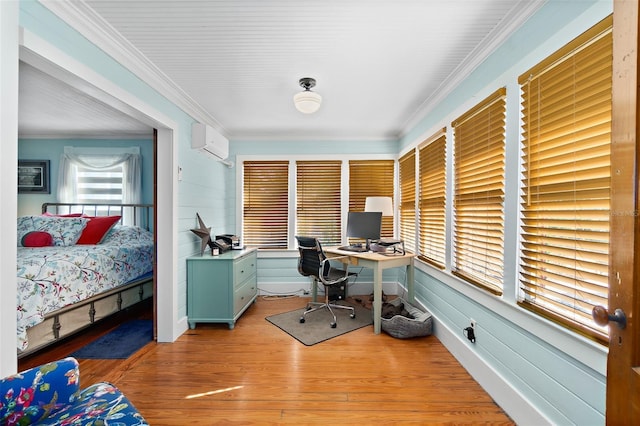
210	142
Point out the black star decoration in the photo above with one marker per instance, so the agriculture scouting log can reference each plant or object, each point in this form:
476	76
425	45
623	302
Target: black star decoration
204	233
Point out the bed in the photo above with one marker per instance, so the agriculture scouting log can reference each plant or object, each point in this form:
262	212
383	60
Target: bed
78	264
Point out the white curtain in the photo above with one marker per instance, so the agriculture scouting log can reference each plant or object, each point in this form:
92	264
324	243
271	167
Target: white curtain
101	159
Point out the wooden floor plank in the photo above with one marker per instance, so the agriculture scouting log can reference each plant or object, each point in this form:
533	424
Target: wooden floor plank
258	374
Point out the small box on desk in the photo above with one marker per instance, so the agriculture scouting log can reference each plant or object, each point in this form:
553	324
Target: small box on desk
388	247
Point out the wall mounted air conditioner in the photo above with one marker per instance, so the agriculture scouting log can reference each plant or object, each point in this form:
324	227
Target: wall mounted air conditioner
207	140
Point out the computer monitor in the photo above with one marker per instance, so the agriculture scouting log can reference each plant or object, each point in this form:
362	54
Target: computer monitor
365	225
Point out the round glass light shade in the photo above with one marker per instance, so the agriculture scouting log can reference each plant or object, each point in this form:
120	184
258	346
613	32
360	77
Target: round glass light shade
307	102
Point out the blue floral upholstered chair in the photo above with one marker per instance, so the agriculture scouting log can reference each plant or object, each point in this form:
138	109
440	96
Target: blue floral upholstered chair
50	395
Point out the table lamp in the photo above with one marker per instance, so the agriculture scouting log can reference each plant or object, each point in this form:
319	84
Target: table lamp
379	204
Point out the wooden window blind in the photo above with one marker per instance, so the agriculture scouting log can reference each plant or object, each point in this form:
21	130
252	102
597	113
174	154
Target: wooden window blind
371	178
407	207
266	204
566	197
432	199
479	193
318	200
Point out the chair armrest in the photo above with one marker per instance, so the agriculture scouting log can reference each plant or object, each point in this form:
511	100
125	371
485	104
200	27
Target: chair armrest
329	259
35	393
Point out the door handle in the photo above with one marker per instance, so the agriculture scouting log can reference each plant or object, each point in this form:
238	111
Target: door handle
602	317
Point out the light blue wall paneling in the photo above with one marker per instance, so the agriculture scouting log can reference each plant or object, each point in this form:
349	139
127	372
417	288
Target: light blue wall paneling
51	149
319	147
201	191
283	269
561	387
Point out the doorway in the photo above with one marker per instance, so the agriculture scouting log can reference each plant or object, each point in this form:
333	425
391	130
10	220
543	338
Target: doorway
56	64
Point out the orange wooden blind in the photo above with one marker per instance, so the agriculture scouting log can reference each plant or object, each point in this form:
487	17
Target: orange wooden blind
371	178
566	199
479	153
407	207
266	204
318	200
432	199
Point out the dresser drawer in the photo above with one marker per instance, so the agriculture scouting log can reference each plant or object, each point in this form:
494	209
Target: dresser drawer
244	268
245	293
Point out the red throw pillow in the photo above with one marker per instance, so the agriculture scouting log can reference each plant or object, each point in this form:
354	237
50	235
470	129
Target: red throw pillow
37	239
97	227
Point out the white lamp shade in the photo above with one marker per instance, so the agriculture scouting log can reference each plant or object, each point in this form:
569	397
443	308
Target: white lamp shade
307	102
379	204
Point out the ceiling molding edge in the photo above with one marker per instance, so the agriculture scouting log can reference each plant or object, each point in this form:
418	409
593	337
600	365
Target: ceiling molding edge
87	135
519	15
98	31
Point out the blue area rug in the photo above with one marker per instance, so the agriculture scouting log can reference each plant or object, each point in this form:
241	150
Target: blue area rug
120	343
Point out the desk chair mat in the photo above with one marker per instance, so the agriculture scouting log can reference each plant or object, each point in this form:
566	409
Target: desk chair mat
316	328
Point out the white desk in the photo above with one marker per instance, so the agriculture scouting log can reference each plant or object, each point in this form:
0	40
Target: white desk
378	262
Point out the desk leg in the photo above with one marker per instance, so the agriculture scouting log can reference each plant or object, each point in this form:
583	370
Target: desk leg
377	298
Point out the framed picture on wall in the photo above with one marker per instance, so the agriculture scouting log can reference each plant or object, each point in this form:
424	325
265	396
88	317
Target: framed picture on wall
33	176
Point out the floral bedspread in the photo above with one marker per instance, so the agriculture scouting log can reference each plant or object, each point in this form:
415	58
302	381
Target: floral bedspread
50	278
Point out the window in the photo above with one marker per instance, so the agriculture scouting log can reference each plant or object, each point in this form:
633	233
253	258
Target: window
566	200
371	178
100	176
433	183
407	207
479	193
318	200
266	204
283	198
99	186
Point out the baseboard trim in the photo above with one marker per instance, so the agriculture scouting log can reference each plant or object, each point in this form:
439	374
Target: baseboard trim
509	399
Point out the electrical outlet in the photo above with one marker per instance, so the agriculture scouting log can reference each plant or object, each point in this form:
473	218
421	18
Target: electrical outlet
473	323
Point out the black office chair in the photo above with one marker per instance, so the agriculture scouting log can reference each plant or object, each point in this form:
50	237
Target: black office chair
313	263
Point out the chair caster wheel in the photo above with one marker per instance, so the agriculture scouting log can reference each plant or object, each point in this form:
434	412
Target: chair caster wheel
301	320
333	325
352	315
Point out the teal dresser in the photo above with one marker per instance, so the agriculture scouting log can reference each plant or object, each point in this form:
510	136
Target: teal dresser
220	288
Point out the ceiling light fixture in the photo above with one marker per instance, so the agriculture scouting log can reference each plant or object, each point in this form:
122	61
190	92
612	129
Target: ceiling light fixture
307	101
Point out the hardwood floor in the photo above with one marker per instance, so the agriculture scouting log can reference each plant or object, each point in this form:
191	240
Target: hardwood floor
258	374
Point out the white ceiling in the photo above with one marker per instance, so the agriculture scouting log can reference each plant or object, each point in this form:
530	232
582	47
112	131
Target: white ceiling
50	108
380	65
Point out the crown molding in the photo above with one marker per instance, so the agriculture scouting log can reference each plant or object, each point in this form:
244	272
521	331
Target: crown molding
518	15
98	31
86	135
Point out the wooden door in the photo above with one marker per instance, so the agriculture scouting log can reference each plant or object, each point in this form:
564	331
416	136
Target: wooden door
623	365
